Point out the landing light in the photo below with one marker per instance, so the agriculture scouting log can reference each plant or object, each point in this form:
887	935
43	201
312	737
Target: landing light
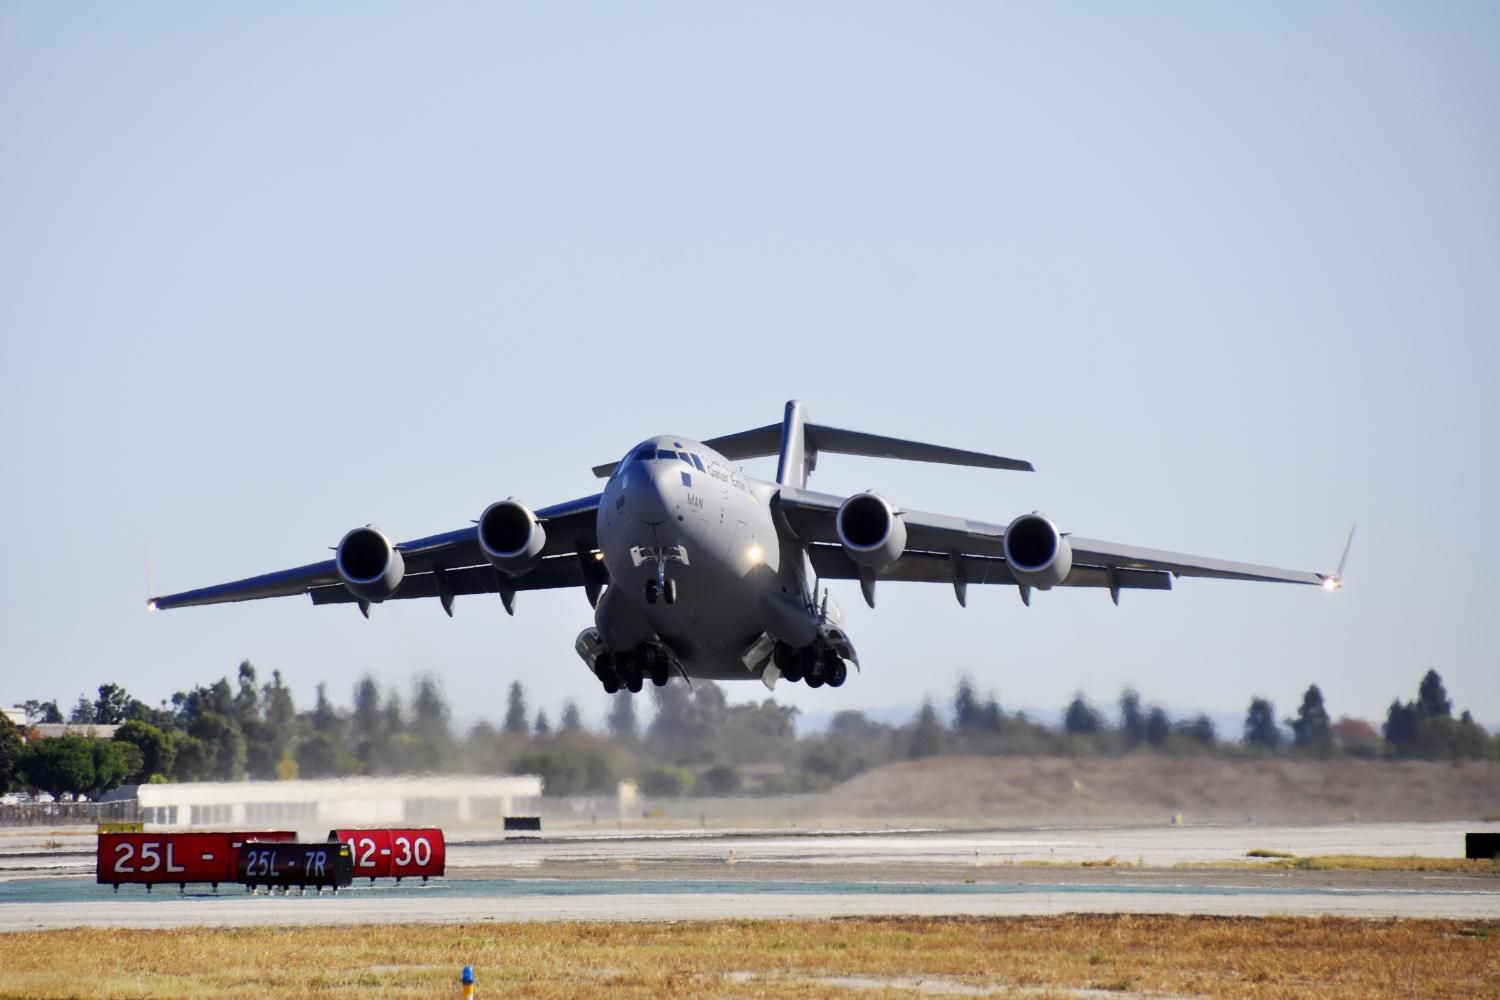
1332	583
150	605
755	554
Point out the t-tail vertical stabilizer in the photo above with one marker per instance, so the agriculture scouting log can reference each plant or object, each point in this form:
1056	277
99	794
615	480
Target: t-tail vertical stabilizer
796	460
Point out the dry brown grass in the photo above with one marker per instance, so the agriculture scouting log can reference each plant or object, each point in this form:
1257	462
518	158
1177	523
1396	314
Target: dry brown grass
1365	863
1158	955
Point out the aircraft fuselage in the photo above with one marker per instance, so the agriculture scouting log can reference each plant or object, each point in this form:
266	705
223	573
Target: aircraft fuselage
686	518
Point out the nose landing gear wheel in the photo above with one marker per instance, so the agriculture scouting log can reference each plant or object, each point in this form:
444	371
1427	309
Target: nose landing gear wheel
670	594
651	592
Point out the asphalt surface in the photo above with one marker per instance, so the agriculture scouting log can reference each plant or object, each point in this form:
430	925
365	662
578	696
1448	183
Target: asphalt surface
48	883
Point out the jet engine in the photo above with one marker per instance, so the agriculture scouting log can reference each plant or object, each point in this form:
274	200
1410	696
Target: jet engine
870	531
510	537
370	566
1039	555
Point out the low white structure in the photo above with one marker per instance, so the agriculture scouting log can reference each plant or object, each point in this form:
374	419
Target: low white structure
318	806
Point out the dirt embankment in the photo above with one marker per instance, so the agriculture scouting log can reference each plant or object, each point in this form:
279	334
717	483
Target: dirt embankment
1153	789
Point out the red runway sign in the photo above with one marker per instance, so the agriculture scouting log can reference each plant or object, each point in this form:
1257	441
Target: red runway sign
152	858
395	854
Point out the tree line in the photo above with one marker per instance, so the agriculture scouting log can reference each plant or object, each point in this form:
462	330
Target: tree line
696	743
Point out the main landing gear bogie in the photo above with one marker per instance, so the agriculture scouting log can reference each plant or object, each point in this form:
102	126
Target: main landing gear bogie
630	670
810	665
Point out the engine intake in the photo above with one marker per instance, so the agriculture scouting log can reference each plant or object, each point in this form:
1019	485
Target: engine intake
370	566
870	531
1039	555
510	537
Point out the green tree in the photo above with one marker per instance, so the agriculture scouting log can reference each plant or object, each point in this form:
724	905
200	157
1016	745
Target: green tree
1312	730
1432	697
567	770
280	711
265	747
193	759
666	782
321	755
1199	730
927	733
158	753
966	708
516	721
367	736
11	749
1401	722
1080	718
82	713
115	705
60	766
112	765
43	712
1260	725
543	728
1158	727
221	733
721	779
1132	719
622	722
687	724
572	719
247	698
325	718
434	750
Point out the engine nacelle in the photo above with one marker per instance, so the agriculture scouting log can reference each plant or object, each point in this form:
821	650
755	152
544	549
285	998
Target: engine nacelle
870	531
510	537
1039	555
370	566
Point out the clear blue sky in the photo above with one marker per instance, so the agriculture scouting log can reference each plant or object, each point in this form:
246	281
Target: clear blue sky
1229	275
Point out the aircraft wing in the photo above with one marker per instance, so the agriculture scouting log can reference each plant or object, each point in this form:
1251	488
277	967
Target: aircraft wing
436	566
941	548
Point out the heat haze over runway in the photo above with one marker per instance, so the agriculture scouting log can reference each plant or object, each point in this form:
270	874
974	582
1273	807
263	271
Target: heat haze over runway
799	875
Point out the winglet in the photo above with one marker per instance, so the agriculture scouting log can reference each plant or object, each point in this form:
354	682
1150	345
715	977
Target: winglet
150	585
1336	581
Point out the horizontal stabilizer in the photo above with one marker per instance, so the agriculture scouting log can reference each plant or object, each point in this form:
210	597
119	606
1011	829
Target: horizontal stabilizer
762	442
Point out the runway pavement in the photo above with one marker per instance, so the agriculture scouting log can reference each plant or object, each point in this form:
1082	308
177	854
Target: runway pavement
789	876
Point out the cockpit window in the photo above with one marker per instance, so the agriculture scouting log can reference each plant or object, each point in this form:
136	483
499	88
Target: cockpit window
643	454
697	462
663	453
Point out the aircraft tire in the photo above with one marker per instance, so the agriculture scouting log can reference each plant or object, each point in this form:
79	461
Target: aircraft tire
634	683
670	594
814	681
660	674
836	673
650	591
611	683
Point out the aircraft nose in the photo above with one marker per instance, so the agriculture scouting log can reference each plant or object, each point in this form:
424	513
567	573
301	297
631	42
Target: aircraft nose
646	496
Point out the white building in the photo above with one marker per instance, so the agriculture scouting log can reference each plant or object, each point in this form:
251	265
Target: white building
315	807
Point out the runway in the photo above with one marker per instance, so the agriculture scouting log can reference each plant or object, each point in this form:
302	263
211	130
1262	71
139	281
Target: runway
791	876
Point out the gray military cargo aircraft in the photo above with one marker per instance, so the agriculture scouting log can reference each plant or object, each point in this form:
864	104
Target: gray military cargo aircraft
694	568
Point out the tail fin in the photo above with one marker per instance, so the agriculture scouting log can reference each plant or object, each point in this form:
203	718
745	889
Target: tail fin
796	461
